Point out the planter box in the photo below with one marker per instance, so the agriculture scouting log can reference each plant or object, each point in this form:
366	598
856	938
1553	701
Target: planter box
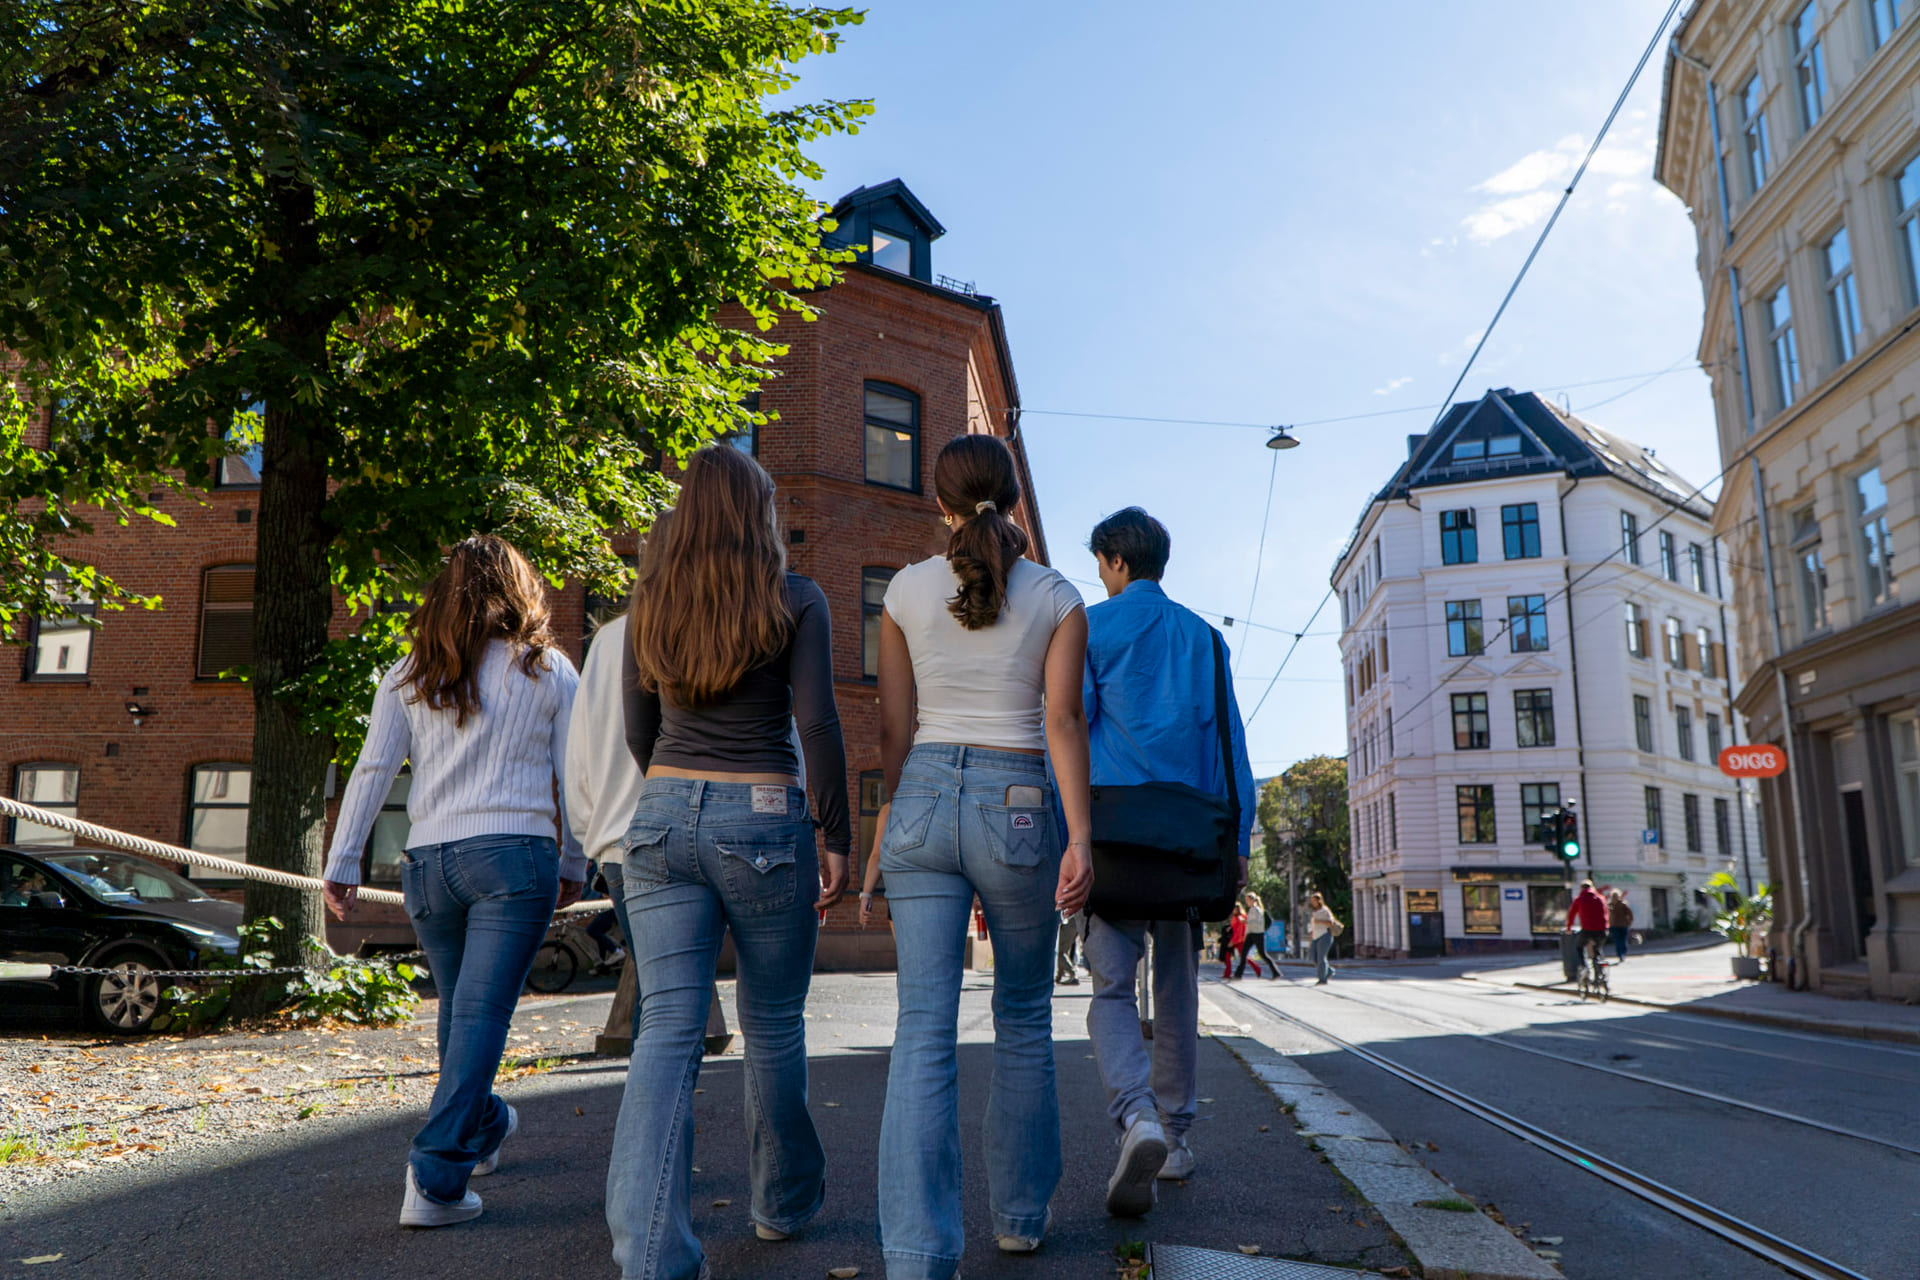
1746	968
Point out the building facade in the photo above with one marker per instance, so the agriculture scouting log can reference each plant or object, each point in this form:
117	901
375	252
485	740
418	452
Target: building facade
1532	618
1790	131
131	725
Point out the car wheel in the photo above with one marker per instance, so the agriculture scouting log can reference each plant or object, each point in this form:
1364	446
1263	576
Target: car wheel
126	1000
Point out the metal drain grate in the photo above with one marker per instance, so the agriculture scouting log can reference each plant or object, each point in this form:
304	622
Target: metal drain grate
1184	1262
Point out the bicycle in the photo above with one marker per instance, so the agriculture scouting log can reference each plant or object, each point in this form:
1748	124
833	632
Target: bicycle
568	949
1592	979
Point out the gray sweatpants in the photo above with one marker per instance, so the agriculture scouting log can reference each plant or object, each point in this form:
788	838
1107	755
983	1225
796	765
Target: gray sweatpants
1162	1081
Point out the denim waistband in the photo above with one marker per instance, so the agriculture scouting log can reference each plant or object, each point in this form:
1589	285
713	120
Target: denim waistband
953	755
701	792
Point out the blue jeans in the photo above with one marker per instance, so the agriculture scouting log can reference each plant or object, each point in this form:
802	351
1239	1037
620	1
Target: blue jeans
1618	933
1321	951
480	907
951	835
701	860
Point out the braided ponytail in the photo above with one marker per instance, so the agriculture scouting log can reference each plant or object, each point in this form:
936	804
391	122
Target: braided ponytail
975	479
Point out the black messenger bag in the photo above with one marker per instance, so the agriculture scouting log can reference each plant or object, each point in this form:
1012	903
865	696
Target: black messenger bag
1165	850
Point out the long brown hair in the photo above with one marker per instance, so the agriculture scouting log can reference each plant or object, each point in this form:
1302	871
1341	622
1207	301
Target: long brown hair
711	604
487	592
975	479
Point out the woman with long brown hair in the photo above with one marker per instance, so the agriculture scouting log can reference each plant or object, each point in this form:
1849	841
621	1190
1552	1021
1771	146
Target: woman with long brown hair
992	646
480	708
728	651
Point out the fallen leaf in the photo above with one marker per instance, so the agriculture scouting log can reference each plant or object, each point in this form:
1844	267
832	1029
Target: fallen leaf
255	1089
829	1104
1263	1128
577	1111
1548	1239
1433	1146
721	1204
1206	1099
843	1273
1249	1249
1398	1273
45	1257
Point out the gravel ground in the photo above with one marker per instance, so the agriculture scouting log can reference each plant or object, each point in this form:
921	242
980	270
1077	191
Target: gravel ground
72	1104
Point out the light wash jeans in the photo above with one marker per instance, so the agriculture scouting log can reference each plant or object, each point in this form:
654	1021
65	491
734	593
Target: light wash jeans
480	907
700	860
951	835
1160	1082
1321	950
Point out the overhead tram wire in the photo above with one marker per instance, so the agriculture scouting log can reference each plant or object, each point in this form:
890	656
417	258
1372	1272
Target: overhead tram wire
1260	553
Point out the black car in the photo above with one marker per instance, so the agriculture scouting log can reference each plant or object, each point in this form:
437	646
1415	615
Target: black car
100	908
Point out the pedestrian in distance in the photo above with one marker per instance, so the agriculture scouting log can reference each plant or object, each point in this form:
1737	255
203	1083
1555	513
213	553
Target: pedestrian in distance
1619	922
1256	937
1587	917
1155	704
480	707
1236	942
726	650
992	646
1071	930
1322	928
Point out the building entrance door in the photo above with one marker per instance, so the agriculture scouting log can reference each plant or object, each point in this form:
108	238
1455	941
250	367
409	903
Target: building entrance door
1853	807
1426	925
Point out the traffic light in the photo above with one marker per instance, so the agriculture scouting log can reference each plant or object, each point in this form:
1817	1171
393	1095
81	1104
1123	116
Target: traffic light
1566	843
1550	830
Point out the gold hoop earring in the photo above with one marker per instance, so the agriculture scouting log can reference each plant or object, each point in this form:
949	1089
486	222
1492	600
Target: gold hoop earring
947	521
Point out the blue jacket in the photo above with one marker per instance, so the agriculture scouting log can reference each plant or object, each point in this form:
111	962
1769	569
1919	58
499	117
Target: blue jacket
1149	696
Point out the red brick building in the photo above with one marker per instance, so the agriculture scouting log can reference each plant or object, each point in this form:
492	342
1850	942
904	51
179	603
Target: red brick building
131	726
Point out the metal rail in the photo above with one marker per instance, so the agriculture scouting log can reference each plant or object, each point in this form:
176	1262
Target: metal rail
1793	1258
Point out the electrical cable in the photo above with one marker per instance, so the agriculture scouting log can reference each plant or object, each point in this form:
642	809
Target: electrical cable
1260	553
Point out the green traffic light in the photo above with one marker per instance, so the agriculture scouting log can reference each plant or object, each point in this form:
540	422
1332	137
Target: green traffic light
1570	851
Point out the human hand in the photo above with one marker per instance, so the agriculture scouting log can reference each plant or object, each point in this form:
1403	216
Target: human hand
570	891
866	910
1076	878
834	884
340	898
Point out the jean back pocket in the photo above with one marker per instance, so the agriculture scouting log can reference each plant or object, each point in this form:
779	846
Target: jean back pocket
759	870
1019	837
644	863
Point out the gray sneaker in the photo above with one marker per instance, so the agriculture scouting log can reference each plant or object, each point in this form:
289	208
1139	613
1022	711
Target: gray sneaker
1131	1192
418	1211
1179	1163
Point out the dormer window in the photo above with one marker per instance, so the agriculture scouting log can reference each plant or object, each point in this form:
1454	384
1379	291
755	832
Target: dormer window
1503	447
1467	450
892	250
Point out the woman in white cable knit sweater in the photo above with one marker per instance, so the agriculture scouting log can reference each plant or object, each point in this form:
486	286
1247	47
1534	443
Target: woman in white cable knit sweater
480	707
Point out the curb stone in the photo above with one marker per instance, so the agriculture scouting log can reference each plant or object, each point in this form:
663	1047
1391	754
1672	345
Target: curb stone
1448	1244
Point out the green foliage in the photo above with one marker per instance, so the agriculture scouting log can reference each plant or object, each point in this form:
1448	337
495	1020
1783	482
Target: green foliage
1745	923
1304	820
367	993
207	1005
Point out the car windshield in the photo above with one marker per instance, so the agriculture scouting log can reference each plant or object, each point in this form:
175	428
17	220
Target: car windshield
120	877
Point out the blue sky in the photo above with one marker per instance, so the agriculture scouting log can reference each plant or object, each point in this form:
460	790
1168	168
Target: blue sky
1279	212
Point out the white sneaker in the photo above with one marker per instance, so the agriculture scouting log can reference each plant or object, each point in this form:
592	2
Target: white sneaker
1131	1192
1026	1244
491	1161
773	1234
418	1211
1180	1162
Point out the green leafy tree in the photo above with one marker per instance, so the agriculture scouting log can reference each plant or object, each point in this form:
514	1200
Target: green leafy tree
1304	824
448	268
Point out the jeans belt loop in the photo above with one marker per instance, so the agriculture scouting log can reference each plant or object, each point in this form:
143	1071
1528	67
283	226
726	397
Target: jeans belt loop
697	794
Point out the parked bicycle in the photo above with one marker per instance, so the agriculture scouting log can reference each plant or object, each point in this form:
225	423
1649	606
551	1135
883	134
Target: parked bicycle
570	948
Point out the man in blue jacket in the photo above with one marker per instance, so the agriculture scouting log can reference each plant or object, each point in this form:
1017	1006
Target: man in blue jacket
1151	718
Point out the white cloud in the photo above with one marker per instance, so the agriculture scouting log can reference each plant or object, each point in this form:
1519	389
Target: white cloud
1525	191
1393	385
1504	217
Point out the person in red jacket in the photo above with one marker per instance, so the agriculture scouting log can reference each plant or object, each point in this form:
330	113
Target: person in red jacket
1588	917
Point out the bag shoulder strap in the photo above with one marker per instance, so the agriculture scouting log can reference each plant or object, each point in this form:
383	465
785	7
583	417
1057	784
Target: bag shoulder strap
1222	707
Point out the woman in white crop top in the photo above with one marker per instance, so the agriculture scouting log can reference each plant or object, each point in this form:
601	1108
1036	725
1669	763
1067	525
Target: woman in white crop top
994	646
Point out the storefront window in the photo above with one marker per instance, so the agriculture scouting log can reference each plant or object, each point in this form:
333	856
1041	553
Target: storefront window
1906	764
1547	907
1480	906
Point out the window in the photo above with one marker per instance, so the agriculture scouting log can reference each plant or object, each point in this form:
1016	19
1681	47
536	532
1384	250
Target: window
1480	907
1459	543
1643	722
1809	66
1393	820
46	786
1843	297
1883	19
1636	631
1786	354
603	607
1465	636
873	797
1475	806
1906	218
1683	731
1468	450
240	469
745	435
873	599
1811	572
1533	717
1905	732
1722	828
1503	447
1630	537
1469	721
1536	800
1753	127
1713	736
891	250
1662	907
1520	530
1527	624
217	809
1690	820
1547	906
1876	552
61	647
1669	565
226	620
893	437
1703	645
1676	644
387	842
1697	566
1654	822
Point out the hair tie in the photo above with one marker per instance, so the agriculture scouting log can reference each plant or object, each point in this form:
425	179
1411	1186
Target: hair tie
982	507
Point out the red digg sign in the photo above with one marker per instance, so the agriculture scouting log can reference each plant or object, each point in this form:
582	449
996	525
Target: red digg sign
1759	760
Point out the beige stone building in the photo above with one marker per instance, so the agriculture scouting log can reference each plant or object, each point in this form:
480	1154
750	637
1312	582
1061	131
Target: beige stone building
1791	129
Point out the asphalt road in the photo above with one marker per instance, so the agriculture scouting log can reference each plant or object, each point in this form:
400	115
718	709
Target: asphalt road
322	1200
1856	1202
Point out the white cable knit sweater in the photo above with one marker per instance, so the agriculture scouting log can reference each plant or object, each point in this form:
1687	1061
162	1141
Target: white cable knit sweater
493	776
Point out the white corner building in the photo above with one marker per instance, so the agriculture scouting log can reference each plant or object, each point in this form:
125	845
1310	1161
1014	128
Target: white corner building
1533	614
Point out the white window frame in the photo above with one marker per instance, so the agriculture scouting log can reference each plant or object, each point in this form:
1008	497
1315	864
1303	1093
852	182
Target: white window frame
1630	537
24	831
1904	733
1809	65
1782	346
1636	635
1871	536
1755	145
1883	20
1810	578
1843	296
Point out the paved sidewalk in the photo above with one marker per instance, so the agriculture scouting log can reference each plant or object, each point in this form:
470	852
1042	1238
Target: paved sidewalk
1701	981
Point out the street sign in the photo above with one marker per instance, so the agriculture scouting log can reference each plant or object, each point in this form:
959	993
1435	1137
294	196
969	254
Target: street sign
1755	760
1649	835
1513	895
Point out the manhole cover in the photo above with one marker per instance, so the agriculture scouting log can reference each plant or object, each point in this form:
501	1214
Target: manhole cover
1184	1262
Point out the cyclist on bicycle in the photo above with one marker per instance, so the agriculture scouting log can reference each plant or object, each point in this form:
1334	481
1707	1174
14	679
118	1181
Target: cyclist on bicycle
1588	918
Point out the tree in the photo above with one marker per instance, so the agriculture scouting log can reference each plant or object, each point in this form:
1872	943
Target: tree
447	268
1304	820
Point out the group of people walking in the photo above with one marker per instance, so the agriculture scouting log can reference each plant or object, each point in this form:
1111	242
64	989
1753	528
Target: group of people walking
1002	699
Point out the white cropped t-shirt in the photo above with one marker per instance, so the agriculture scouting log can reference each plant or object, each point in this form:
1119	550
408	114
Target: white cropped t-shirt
981	688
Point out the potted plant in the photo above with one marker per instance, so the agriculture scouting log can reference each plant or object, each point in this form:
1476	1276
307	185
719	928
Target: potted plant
1743	922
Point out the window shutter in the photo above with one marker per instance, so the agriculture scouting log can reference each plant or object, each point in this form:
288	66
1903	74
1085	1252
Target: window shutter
226	620
1719	659
1644	640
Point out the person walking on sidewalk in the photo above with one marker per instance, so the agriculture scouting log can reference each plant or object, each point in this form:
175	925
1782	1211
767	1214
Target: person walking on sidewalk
1322	929
480	707
1151	692
1619	922
1070	931
1236	939
726	649
1256	939
991	644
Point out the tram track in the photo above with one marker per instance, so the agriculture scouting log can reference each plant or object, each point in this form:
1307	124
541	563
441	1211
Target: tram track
1795	1259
